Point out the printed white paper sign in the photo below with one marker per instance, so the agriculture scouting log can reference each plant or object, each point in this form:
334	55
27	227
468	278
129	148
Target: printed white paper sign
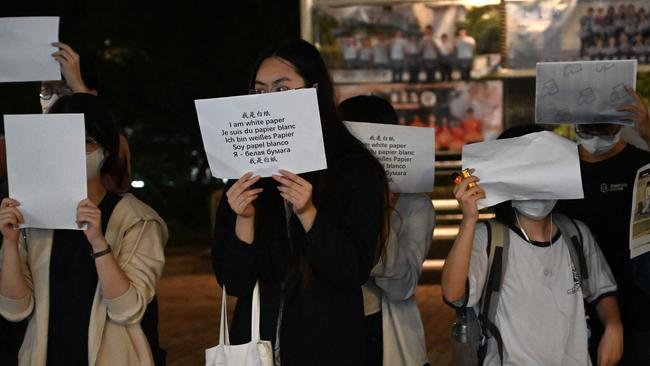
539	165
262	133
46	167
640	218
583	92
407	153
26	44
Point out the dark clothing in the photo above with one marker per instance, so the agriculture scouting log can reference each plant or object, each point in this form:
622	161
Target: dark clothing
73	282
320	272
149	324
374	340
641	267
608	186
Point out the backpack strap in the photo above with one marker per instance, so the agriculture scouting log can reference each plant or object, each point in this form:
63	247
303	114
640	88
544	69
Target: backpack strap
573	237
497	251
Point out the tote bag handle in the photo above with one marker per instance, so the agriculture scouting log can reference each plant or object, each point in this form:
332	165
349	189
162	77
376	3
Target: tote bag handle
224	336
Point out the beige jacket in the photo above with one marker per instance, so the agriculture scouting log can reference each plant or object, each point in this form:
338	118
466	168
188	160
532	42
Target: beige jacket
137	236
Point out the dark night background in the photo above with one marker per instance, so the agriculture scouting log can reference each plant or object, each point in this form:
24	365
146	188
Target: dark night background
151	60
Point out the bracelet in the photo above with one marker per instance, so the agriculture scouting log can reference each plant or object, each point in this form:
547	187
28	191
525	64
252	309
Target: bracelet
101	253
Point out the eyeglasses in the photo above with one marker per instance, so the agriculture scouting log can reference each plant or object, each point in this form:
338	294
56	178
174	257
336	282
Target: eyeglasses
47	93
90	141
279	88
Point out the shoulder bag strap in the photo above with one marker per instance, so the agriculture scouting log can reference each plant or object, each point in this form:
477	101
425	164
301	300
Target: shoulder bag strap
255	314
499	238
224	337
572	236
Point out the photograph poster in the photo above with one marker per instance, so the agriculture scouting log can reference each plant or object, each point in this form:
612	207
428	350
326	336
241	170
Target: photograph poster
460	112
416	42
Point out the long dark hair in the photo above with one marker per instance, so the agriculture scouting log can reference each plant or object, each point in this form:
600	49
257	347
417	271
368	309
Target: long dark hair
504	211
100	125
368	108
339	143
372	109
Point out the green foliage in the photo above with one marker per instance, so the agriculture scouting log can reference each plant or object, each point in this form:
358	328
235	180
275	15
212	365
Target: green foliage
483	23
323	26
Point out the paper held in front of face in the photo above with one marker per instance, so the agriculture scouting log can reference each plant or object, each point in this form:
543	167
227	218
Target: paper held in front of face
539	165
583	92
26	44
407	153
46	167
262	133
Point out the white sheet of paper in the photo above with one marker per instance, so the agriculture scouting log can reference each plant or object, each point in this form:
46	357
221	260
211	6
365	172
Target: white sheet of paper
262	133
640	217
46	167
26	44
407	153
539	165
583	92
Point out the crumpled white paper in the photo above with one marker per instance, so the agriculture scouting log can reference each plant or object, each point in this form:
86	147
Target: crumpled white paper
539	165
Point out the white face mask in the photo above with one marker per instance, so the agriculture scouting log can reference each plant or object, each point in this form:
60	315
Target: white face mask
534	209
47	104
599	145
94	162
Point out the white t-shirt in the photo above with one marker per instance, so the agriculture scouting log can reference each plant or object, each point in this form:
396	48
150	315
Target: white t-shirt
540	311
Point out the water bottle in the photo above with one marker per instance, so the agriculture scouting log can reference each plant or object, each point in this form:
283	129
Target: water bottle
460	328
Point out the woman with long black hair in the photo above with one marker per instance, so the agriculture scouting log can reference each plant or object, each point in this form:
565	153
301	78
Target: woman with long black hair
310	239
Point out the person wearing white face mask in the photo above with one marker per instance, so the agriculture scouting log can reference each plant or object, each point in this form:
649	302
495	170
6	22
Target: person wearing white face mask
608	165
539	312
84	293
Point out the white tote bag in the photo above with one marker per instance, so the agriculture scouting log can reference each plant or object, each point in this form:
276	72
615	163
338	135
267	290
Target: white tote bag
255	353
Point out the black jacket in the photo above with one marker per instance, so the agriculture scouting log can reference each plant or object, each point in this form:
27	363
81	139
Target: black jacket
322	321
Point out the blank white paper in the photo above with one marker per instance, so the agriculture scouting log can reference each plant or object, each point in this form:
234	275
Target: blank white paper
26	49
46	167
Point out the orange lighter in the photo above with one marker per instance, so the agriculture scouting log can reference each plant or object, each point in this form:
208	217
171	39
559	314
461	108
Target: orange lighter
459	177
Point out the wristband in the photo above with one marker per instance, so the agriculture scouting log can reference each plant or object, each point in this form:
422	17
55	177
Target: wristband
101	253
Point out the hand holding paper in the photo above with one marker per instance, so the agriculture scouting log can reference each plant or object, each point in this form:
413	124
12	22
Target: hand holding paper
637	112
298	192
89	215
539	165
10	219
241	196
468	197
70	67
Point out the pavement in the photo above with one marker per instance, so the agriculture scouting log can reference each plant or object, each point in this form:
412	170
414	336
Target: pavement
190	298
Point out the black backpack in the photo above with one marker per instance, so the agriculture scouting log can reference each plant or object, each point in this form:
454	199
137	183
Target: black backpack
471	332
